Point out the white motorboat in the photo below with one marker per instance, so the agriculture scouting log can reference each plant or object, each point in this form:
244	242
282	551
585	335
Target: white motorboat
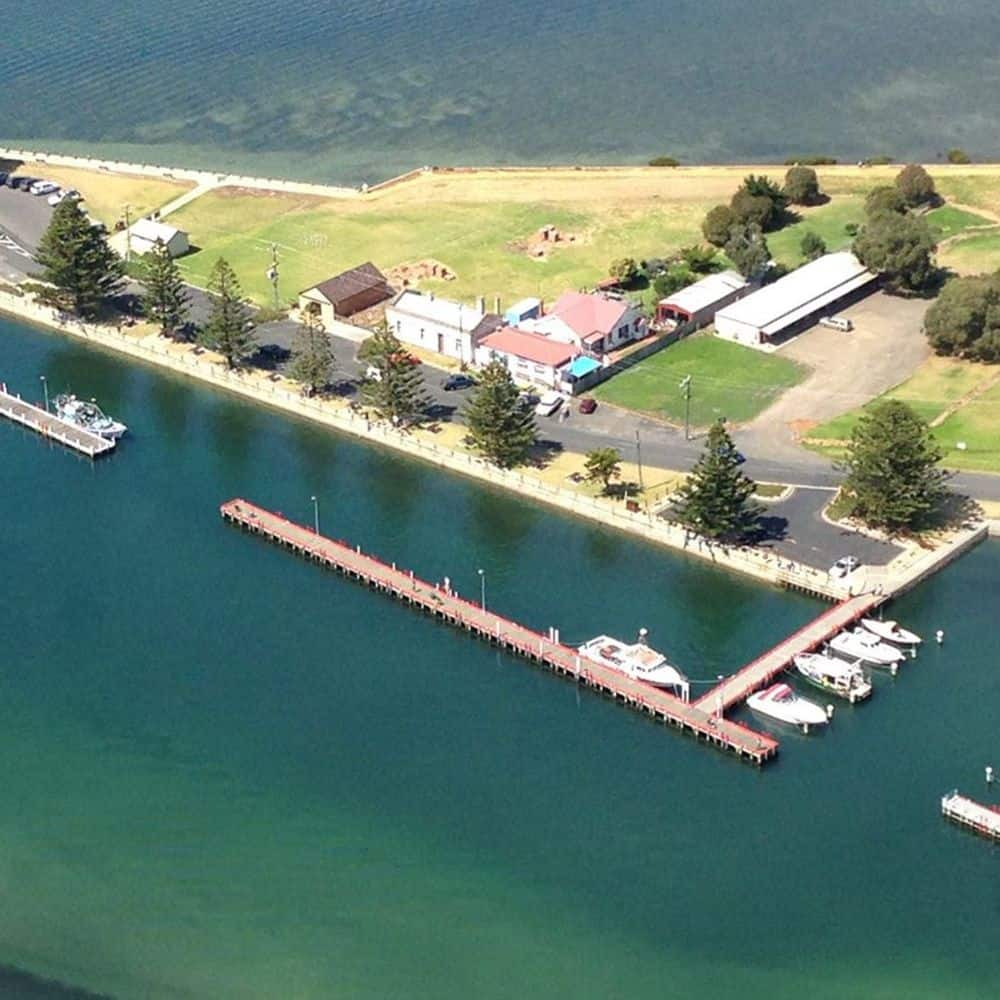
780	702
638	661
846	680
87	415
891	631
860	644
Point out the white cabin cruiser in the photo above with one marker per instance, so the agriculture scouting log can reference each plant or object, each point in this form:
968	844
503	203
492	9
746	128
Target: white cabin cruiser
780	702
638	661
891	631
846	680
87	415
860	644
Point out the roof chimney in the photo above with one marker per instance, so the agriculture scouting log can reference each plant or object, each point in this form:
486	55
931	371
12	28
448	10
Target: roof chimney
496	305
481	303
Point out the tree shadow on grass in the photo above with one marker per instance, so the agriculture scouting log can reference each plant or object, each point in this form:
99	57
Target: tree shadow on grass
543	452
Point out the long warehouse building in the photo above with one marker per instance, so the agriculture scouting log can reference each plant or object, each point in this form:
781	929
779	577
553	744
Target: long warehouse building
796	301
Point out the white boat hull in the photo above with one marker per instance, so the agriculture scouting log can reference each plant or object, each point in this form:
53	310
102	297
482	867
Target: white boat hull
794	711
891	632
855	646
834	676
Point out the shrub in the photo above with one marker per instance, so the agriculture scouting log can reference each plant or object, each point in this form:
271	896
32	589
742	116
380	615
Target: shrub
811	161
625	269
717	224
958	156
915	185
885	198
802	186
851	228
812	246
664	161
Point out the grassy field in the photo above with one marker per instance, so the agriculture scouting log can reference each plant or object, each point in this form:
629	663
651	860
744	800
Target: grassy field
827	221
940	384
728	380
977	253
107	194
950	221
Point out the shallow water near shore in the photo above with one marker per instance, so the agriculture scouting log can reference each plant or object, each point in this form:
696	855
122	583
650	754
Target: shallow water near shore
232	774
353	92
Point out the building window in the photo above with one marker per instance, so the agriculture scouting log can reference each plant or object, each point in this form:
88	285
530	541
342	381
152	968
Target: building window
458	345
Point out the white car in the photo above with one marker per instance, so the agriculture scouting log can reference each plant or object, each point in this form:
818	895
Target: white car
841	323
43	187
844	567
61	194
549	403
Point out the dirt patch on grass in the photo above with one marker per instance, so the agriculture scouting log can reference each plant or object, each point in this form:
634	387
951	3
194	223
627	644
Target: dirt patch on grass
407	275
543	241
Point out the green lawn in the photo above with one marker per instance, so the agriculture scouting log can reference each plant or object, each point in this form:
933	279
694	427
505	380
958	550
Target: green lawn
949	221
936	385
977	253
728	380
827	221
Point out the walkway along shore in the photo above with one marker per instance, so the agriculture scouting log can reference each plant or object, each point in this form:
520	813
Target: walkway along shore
906	570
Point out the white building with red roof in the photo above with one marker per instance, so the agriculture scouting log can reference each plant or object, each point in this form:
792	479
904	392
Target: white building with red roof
529	357
595	322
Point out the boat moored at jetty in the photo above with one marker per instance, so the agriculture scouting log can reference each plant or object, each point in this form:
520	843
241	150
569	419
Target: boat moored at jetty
860	644
891	631
780	702
983	819
839	677
87	415
637	661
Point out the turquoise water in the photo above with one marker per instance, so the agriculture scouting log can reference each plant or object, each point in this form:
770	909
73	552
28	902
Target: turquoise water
228	773
360	91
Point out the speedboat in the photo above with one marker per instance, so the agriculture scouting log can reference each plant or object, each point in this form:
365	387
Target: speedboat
780	702
637	661
846	680
860	644
87	415
890	631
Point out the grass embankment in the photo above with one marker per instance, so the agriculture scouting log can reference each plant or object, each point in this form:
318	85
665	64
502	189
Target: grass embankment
960	399
107	194
727	380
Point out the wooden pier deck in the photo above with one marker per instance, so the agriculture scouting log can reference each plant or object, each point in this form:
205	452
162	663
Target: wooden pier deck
443	603
49	425
983	819
739	686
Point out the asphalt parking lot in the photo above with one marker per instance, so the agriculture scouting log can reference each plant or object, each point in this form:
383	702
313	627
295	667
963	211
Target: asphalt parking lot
23	219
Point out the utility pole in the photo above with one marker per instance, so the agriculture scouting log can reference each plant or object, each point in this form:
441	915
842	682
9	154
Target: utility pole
638	460
272	275
686	389
482	588
128	232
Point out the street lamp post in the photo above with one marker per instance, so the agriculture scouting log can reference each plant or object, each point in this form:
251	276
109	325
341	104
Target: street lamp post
686	389
45	389
482	588
315	501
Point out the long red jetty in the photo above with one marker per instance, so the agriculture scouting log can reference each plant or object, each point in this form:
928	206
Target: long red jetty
704	719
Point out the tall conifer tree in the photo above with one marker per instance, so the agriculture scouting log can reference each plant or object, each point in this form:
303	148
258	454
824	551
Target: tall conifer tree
228	330
312	354
501	427
395	389
165	300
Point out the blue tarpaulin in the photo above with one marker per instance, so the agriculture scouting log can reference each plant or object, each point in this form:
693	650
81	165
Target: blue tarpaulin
583	366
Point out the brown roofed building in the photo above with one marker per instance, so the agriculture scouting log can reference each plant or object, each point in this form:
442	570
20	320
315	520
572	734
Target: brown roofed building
346	294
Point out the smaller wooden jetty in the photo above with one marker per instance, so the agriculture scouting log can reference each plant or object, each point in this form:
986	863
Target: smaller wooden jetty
983	819
441	601
49	425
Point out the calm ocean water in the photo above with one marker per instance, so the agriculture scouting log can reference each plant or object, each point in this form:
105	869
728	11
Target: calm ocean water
228	773
355	91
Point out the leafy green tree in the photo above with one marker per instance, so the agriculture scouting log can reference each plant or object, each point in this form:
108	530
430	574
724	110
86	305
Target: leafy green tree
887	198
77	263
915	185
747	249
718	222
603	465
676	277
964	320
394	389
500	426
802	186
699	258
893	478
753	209
763	187
812	246
625	269
900	248
228	329
716	498
312	354
164	300
958	156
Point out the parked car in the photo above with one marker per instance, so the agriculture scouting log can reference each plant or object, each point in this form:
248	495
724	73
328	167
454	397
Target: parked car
844	567
40	188
588	404
62	195
3	177
458	381
22	183
841	323
549	403
373	374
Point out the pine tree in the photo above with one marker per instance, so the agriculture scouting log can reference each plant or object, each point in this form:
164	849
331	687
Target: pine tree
715	500
893	478
395	387
77	262
312	354
500	426
603	465
165	300
228	329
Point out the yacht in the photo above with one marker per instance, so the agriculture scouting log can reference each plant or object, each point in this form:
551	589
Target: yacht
860	644
846	680
891	631
780	702
638	661
89	416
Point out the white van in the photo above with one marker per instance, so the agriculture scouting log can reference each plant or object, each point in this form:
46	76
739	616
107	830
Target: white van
841	323
549	403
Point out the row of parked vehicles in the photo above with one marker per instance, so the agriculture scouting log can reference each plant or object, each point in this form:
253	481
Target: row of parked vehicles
546	405
38	187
